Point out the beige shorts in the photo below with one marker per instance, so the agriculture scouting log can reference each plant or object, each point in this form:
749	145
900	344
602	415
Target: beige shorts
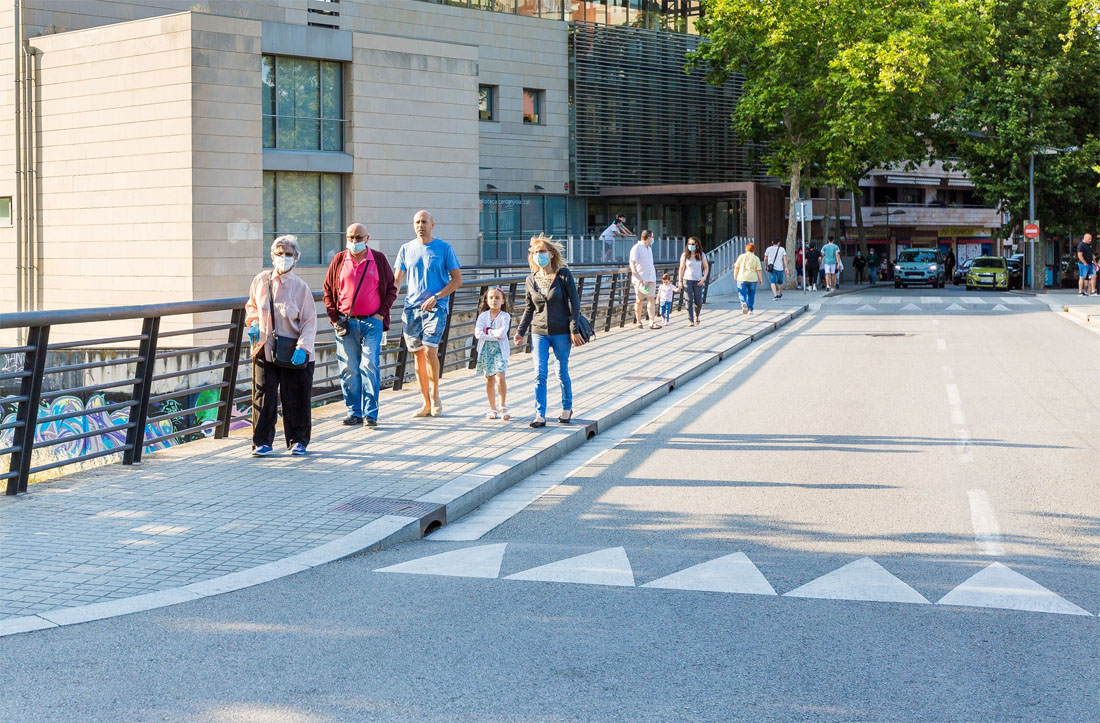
639	289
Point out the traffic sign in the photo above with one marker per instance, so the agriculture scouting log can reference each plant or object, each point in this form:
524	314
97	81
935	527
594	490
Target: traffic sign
1031	231
804	211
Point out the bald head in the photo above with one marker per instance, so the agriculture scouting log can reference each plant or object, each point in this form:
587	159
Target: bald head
423	223
357	234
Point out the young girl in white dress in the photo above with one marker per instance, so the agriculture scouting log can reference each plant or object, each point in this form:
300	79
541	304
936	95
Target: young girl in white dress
491	332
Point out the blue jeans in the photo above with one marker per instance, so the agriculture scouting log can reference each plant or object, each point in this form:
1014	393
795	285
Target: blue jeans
694	292
746	290
541	345
666	309
360	377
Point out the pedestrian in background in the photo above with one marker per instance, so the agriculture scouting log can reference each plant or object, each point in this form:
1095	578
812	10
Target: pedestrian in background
282	325
860	265
748	272
666	292
798	257
1086	270
949	263
491	331
551	313
617	229
813	263
830	256
434	273
644	275
694	269
359	291
776	259
872	266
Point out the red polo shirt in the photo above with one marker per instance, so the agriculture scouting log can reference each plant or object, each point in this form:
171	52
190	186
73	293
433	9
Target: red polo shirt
369	300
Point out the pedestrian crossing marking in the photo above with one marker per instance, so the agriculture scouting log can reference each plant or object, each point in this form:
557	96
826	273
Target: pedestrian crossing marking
931	300
1001	307
974	301
866	307
1015	300
849	300
998	586
731	573
479	561
863	579
910	307
603	567
890	300
955	307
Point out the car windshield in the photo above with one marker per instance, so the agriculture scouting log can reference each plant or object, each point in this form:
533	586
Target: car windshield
919	257
989	262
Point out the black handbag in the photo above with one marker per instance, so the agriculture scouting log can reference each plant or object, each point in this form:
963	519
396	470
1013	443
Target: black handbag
584	329
284	345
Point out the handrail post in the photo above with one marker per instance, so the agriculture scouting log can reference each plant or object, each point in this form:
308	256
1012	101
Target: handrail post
595	301
473	351
446	332
30	387
135	435
627	286
229	374
611	302
402	362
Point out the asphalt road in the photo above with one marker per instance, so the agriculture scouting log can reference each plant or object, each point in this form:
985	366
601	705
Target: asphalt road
928	441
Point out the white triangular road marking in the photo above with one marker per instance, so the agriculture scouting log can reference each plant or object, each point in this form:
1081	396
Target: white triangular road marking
480	561
910	307
1001	307
955	307
603	567
998	586
731	573
863	579
866	307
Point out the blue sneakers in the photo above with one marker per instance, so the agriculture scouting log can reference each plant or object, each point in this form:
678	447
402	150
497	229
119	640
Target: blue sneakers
262	451
298	449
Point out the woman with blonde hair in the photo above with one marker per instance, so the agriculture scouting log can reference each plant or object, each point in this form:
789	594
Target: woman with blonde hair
747	271
551	313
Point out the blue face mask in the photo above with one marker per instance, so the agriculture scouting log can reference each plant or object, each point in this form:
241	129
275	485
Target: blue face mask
542	259
357	247
691	247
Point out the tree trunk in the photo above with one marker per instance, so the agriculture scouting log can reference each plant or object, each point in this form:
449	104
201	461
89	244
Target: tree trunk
857	211
836	216
826	222
792	222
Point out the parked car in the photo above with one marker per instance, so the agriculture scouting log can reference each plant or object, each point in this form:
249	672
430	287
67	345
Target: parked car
987	272
919	266
959	277
1016	271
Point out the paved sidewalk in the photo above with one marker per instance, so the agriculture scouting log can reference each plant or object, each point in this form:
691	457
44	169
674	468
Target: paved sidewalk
206	518
1085	309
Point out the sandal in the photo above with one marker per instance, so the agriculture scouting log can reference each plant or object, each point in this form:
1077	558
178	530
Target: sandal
493	414
504	413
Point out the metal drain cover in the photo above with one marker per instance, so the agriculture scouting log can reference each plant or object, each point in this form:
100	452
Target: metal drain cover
387	506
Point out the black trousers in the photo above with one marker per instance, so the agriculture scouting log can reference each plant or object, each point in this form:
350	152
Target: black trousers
272	384
859	276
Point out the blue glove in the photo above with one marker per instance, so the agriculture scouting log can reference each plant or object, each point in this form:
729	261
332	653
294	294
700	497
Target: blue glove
298	358
254	332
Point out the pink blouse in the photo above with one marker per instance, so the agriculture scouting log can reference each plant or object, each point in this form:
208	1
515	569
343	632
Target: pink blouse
295	311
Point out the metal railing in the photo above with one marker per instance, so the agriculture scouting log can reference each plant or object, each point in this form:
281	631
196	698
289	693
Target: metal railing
143	413
583	250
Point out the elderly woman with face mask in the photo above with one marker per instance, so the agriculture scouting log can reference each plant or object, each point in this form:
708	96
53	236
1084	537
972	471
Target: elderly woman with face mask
282	323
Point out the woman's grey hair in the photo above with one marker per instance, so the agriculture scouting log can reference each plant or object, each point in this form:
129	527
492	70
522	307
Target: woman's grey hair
290	242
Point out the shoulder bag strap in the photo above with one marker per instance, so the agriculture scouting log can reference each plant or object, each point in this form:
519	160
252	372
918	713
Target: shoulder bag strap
271	304
362	276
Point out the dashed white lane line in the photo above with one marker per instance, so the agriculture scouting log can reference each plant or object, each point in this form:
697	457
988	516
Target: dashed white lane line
941	344
953	397
986	530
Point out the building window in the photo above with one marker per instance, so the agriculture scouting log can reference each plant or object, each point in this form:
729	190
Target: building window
486	102
309	206
532	106
303	104
5	210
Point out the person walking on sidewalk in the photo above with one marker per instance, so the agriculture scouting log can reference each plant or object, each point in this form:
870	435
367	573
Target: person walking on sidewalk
282	325
359	290
433	275
694	269
813	261
644	276
776	259
491	332
830	256
551	314
747	271
666	292
860	265
798	257
872	266
1086	269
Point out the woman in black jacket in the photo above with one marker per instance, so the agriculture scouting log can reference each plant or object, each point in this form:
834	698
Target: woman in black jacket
553	306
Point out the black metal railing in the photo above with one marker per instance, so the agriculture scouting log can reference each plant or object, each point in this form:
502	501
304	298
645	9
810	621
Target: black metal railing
147	375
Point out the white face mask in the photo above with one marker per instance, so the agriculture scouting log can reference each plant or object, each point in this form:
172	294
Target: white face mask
283	263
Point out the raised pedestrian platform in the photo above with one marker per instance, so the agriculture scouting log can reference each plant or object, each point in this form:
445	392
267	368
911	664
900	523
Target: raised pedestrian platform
206	518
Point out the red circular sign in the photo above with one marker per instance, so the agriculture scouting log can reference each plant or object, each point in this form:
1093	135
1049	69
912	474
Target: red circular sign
1031	230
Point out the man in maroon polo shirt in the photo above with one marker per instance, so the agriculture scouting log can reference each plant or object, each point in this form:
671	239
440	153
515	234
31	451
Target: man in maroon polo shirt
359	291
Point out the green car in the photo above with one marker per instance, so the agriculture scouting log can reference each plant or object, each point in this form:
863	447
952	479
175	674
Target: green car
987	272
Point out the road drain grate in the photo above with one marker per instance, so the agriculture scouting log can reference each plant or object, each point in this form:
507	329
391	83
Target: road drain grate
386	506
